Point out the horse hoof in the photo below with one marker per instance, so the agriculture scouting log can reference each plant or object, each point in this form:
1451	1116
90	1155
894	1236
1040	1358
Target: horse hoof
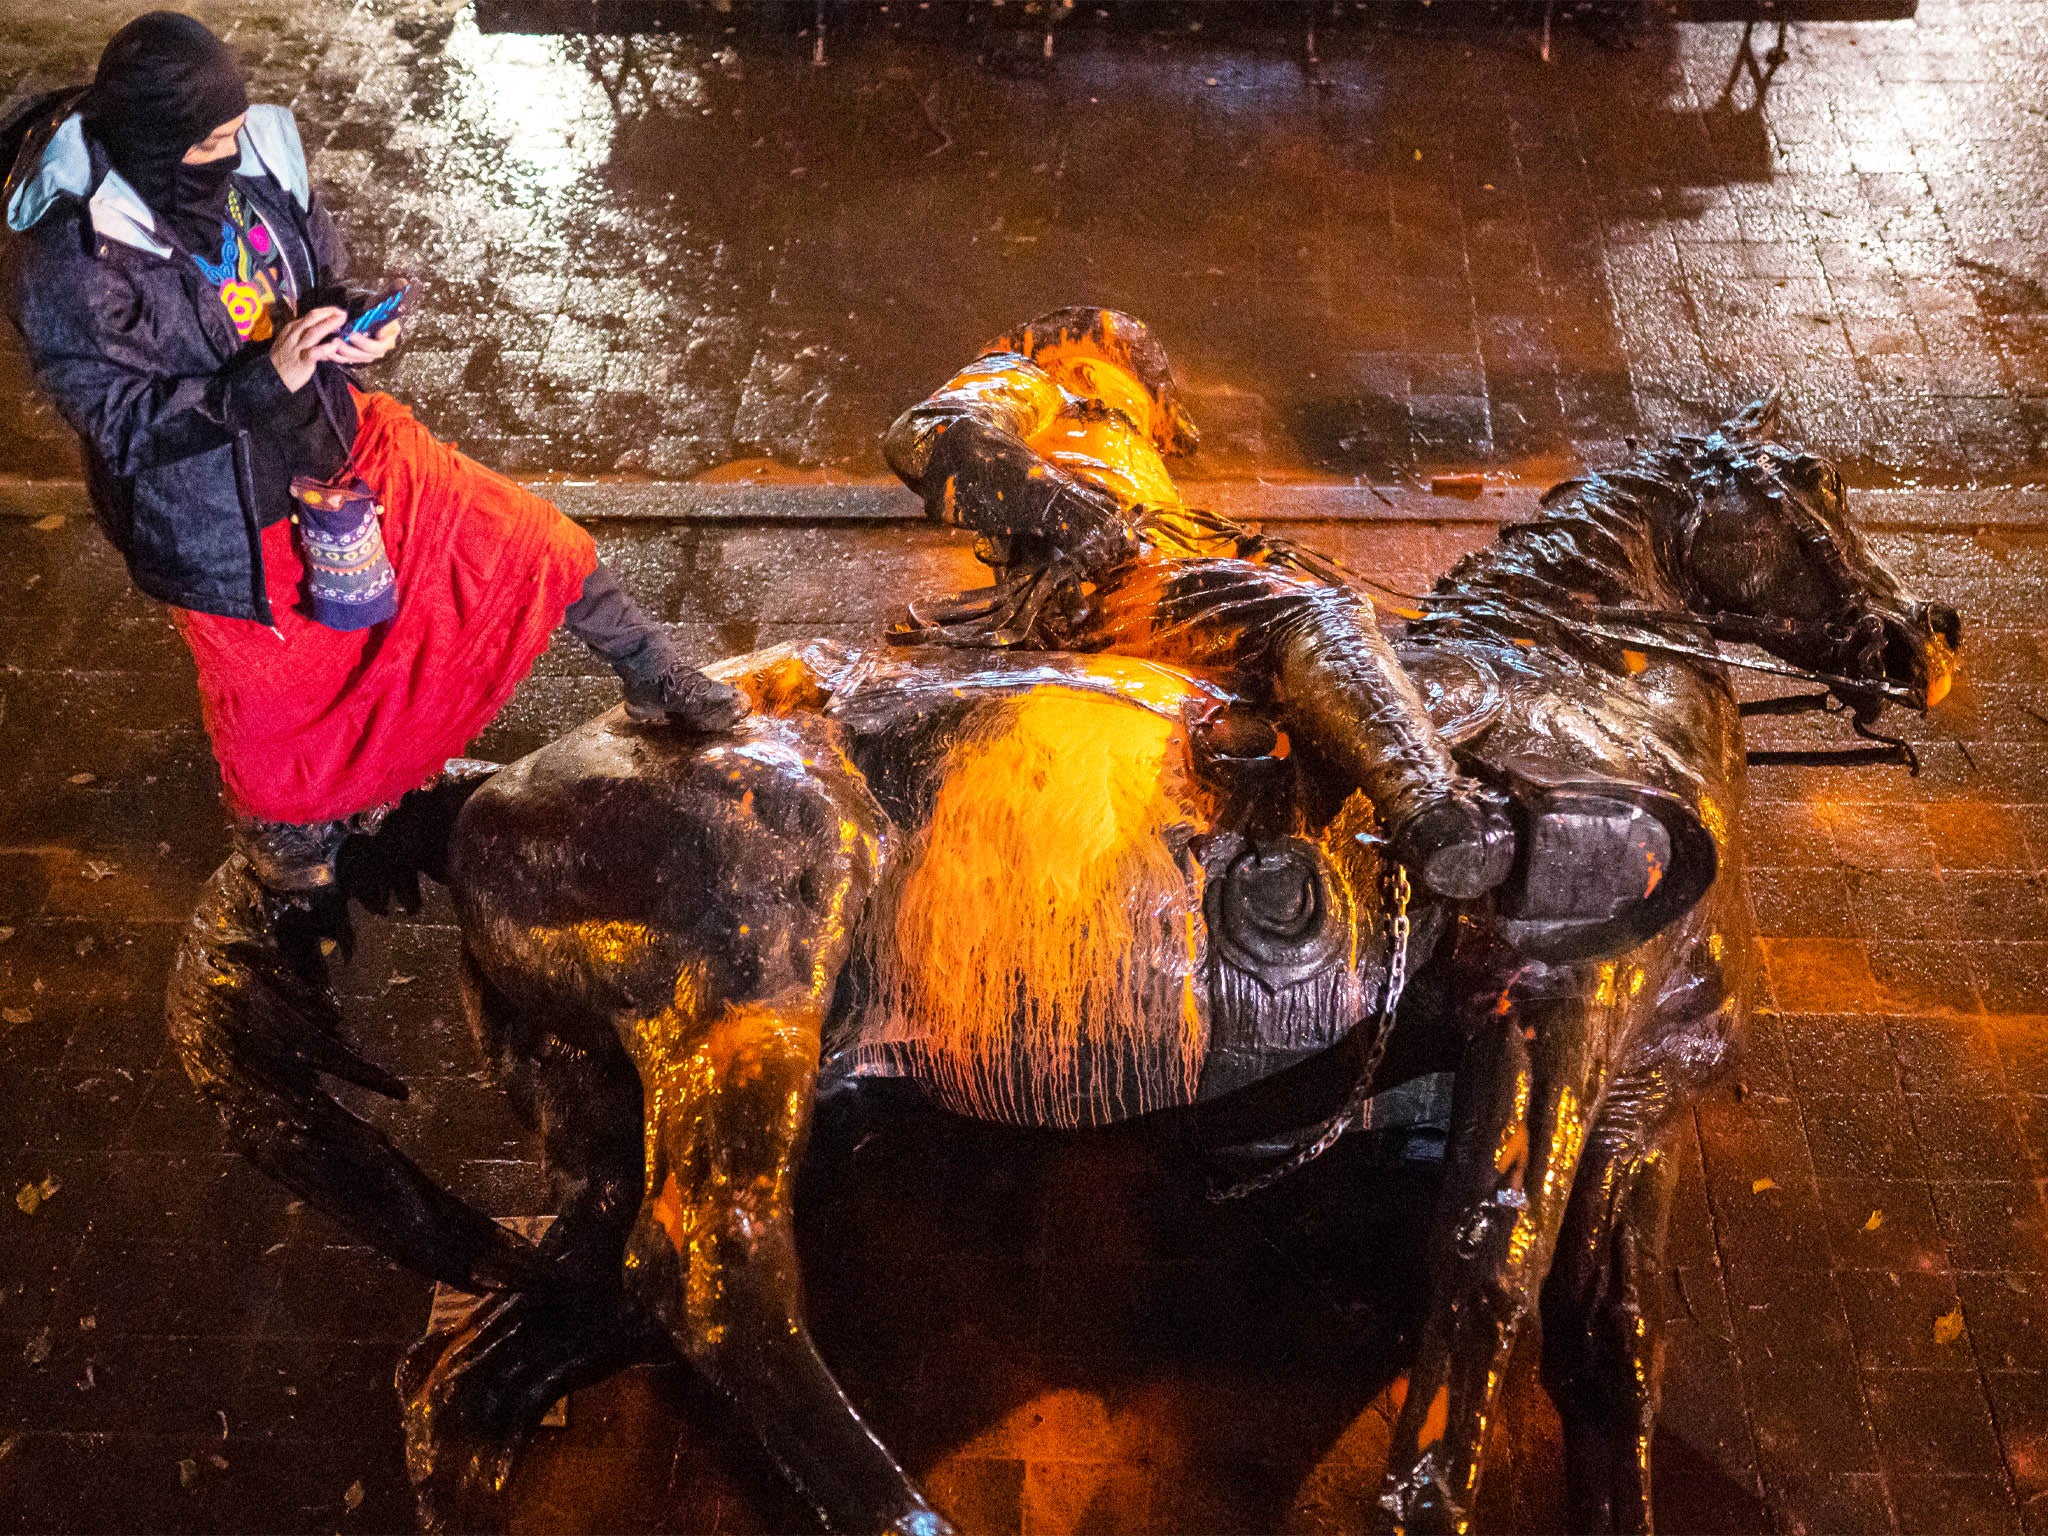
474	1391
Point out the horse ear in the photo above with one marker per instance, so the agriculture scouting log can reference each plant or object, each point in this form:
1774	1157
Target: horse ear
1757	421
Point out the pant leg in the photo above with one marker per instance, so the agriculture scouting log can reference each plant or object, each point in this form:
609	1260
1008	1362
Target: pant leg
623	634
1314	650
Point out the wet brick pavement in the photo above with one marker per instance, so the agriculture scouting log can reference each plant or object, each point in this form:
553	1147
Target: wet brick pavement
655	255
1060	1335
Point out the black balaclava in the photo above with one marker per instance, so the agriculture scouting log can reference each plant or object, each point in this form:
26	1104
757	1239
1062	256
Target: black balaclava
164	83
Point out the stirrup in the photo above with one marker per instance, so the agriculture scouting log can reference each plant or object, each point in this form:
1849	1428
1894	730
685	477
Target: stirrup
1601	864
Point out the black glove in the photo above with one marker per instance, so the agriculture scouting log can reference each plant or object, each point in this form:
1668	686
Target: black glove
1087	526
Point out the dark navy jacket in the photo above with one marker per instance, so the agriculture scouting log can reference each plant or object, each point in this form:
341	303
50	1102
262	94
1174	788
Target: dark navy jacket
141	358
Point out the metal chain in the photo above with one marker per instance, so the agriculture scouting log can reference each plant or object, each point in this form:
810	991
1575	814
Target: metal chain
1357	1111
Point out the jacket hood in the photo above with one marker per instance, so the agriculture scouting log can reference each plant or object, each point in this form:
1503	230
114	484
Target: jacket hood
270	146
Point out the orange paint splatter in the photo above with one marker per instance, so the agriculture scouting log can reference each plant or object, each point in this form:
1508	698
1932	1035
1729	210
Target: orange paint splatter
1437	1420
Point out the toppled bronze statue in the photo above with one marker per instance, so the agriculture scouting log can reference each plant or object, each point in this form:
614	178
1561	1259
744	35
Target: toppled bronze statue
1069	887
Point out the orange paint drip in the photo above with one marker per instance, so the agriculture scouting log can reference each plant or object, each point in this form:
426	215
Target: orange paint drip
1513	1151
1045	920
1437	1420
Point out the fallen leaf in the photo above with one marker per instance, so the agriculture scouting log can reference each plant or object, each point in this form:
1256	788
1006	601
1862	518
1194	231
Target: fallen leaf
7	1446
37	1350
188	1473
99	869
1876	1221
1948	1327
328	946
1758	1186
81	778
353	1499
401	981
48	524
29	1198
16	1015
217	1461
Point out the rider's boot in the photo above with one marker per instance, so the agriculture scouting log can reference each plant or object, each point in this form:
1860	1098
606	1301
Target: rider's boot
659	685
1343	686
1581	858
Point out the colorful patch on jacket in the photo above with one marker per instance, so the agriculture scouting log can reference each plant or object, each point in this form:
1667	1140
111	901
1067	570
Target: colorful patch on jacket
250	271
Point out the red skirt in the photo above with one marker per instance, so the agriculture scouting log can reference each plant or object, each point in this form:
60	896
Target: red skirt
310	723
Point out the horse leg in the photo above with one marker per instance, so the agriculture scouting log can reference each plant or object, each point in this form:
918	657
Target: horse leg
1602	1349
728	1109
255	1024
1517	1126
474	1391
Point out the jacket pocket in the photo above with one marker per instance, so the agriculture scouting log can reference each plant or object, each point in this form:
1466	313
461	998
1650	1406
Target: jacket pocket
190	536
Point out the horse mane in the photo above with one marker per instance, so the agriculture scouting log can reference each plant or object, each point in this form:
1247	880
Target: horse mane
1609	537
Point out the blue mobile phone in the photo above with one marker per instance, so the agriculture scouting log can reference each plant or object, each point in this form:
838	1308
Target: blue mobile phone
382	309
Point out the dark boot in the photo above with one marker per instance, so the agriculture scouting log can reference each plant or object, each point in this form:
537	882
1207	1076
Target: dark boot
659	685
1343	687
290	858
1588	867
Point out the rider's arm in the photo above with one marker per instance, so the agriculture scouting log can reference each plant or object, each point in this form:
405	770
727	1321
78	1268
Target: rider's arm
966	451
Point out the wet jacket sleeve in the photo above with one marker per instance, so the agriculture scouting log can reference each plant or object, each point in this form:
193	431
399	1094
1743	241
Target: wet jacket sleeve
91	343
966	452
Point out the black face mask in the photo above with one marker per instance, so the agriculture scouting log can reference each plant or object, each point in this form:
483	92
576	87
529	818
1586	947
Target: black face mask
199	203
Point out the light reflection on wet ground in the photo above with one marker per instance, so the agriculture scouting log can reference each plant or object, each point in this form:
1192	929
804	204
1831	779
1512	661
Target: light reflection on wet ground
655	254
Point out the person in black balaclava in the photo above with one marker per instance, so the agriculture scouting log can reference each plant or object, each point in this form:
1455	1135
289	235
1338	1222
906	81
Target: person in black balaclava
164	84
359	598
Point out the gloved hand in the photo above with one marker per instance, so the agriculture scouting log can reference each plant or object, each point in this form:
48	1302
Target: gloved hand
1088	527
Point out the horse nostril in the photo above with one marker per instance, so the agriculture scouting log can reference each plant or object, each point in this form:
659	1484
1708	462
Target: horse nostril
1944	621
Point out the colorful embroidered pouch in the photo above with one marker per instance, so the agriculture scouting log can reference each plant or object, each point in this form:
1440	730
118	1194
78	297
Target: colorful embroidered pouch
349	580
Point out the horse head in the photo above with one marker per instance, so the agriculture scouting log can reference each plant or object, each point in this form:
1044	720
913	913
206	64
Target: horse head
1768	554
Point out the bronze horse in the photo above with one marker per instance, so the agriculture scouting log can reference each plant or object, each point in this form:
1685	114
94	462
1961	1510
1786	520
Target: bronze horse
1052	890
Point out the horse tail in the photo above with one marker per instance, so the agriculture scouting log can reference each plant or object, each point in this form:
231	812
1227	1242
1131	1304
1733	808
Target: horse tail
256	1024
